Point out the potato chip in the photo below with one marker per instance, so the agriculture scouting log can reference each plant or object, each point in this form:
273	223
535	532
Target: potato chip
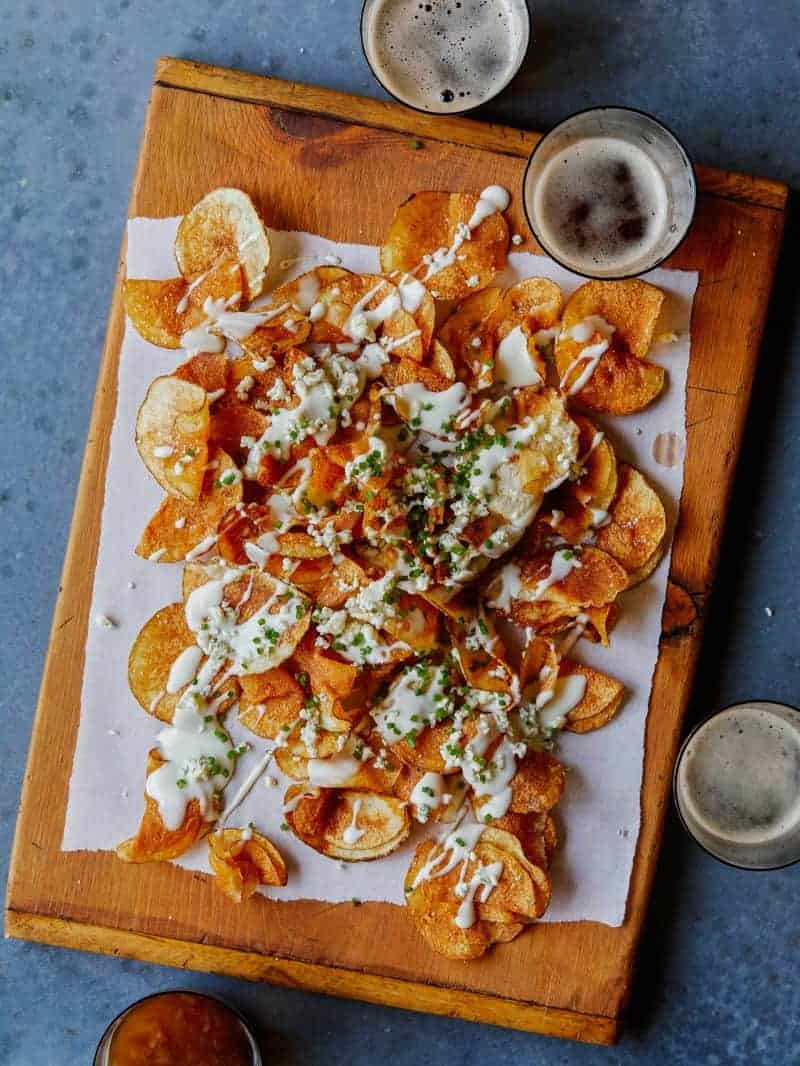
564	583
632	307
271	702
153	842
436	224
347	825
162	311
178	527
602	698
171	435
209	370
638	523
224	225
621	384
243	859
469	337
158	644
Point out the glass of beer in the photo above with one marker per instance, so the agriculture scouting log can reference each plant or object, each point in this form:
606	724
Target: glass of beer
737	785
444	56
609	193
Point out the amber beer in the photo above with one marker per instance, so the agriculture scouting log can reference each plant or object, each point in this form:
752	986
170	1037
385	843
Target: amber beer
609	193
444	55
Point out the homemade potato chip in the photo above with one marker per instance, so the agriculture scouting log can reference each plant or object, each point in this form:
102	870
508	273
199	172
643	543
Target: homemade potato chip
154	842
632	307
431	238
162	311
179	528
422	440
171	435
637	523
243	859
158	644
347	825
224	225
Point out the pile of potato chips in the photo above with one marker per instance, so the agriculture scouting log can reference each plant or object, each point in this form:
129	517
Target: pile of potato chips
378	483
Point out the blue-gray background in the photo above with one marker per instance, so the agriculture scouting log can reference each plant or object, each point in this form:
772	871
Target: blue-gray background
718	979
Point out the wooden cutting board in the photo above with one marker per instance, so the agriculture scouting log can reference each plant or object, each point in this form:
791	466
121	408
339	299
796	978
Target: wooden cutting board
336	165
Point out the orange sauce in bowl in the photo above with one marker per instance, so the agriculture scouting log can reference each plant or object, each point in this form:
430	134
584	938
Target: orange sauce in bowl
180	1029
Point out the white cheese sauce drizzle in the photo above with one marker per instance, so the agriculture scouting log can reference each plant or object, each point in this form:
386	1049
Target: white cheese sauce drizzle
352	834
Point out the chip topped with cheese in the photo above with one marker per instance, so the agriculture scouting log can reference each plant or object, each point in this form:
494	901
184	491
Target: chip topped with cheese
369	478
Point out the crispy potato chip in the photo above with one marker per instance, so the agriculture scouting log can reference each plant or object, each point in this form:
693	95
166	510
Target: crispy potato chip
162	311
230	422
429	223
243	859
621	381
535	303
463	926
632	307
620	384
158	644
153	841
354	767
179	527
638	523
594	580
271	702
275	336
538	783
601	700
536	834
172	433
425	753
469	337
209	370
224	225
347	825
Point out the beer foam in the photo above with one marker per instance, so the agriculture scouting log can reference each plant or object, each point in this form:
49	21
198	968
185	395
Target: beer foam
738	784
601	203
445	55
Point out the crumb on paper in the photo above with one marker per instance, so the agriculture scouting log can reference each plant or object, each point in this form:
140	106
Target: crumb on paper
124	793
270	781
113	732
769	612
624	833
131	584
639	431
104	622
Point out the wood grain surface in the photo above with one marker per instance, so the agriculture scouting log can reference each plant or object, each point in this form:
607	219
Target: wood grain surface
317	160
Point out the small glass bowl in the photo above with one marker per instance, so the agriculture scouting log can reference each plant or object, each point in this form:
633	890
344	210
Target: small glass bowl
101	1055
657	142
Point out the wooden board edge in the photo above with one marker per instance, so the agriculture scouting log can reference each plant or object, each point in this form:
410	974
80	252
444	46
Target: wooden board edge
188	74
309	977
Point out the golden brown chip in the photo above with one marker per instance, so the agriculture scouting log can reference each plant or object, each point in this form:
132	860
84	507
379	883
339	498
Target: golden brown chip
209	370
224	225
429	223
158	644
594	580
153	841
621	384
270	702
243	859
345	824
172	433
601	700
469	337
632	307
162	311
179	527
637	523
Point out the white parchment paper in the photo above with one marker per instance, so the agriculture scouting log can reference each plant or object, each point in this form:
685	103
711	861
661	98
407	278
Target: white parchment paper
599	815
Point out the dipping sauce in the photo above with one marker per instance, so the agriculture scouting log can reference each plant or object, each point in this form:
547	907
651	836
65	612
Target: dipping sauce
444	55
180	1029
737	785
